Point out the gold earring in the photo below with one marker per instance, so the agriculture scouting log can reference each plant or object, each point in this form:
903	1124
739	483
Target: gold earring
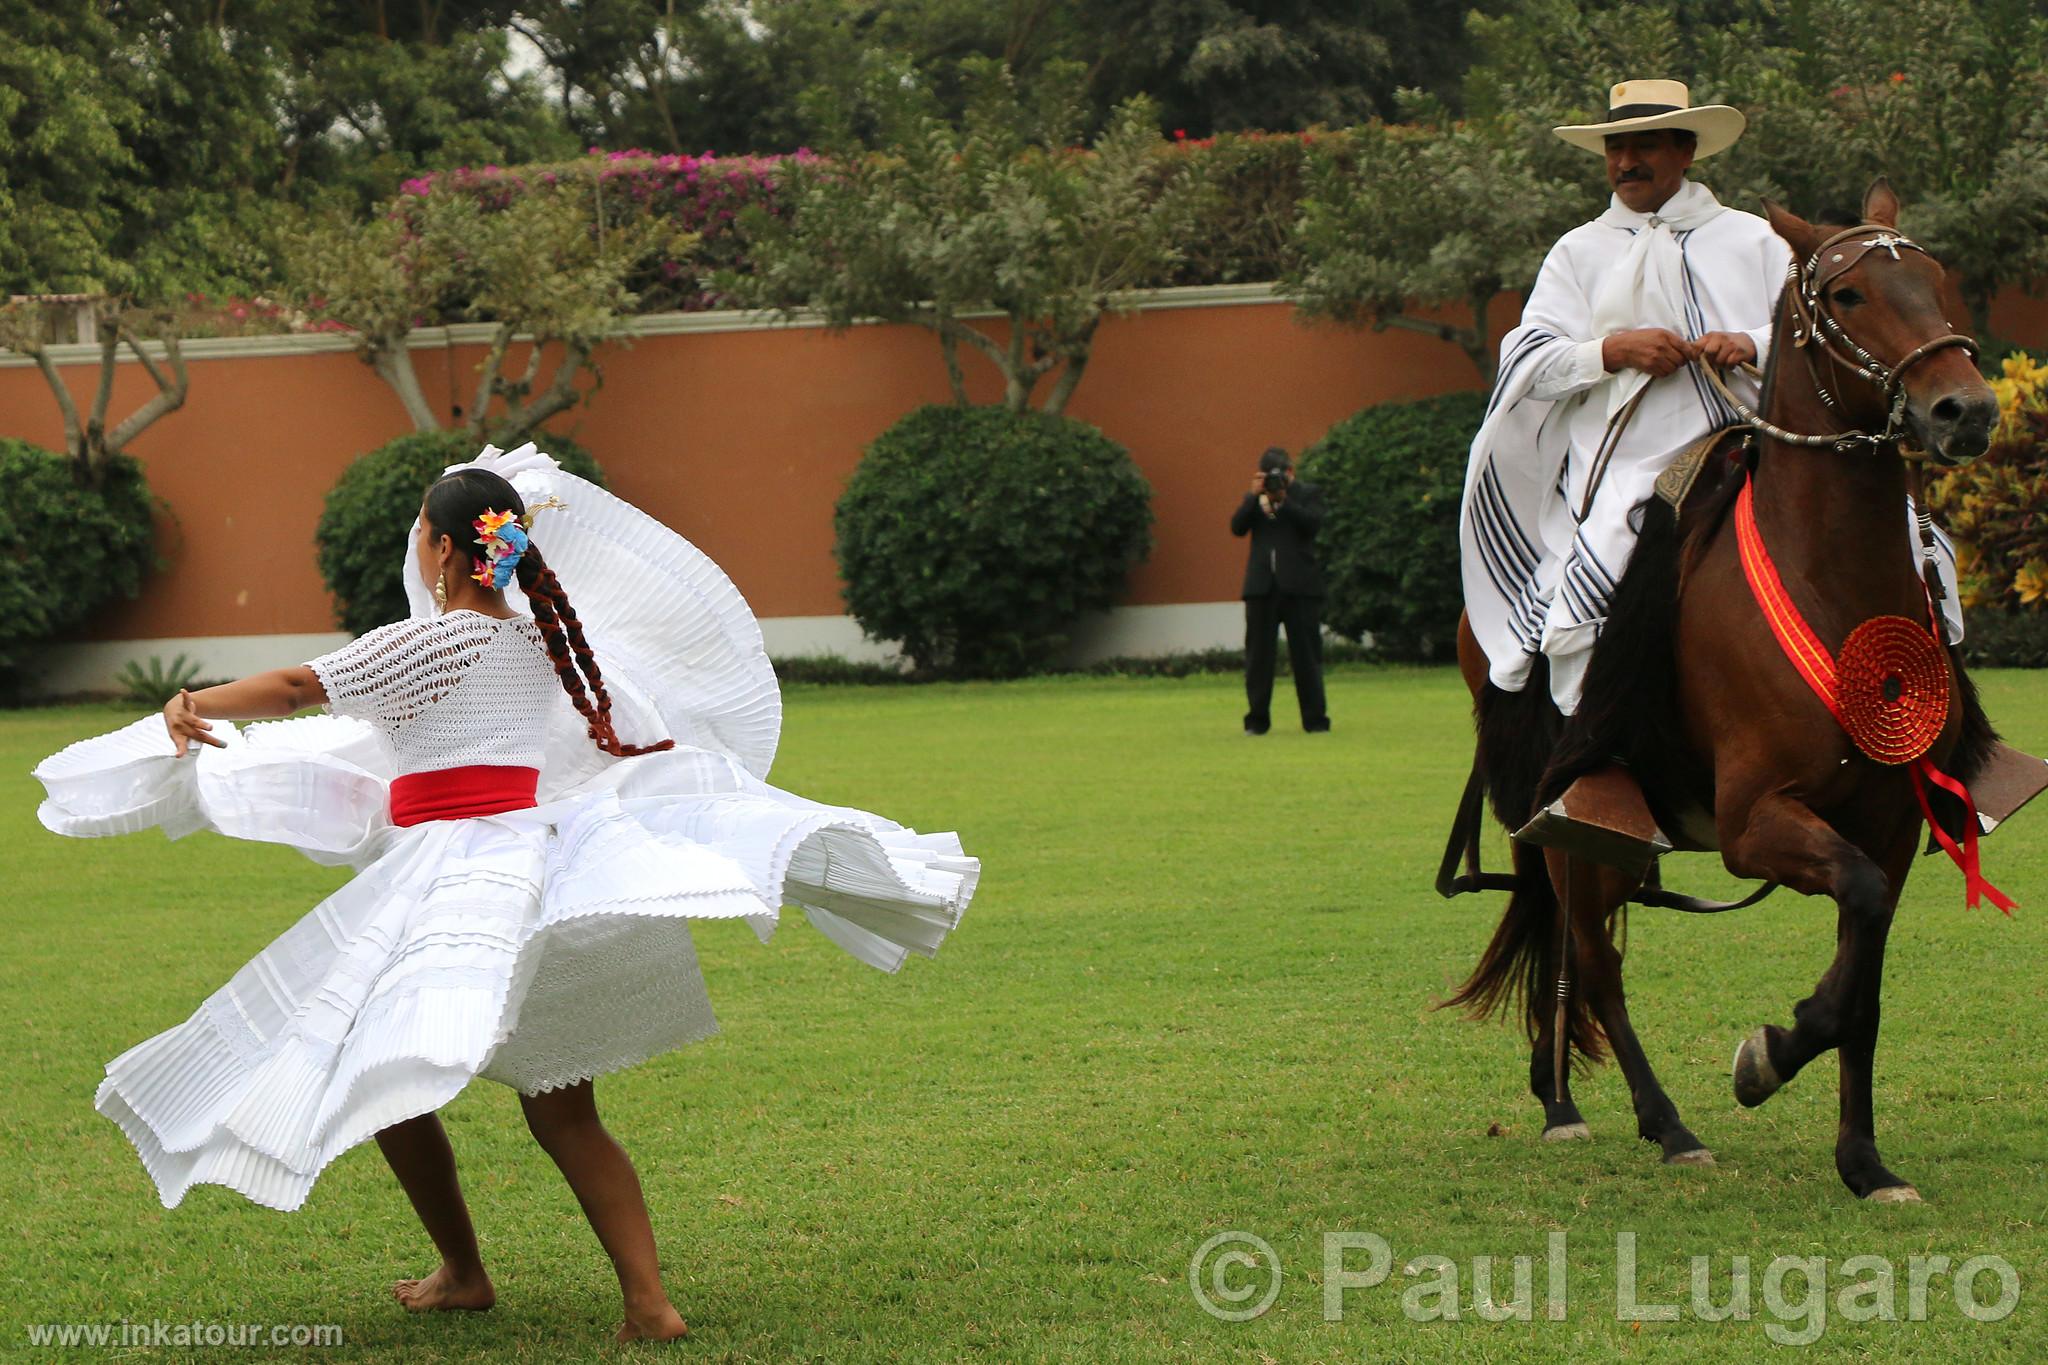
441	590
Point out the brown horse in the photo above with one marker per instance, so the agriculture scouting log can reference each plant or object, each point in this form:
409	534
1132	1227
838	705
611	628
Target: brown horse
1690	691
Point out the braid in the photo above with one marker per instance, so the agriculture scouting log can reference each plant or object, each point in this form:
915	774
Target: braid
571	653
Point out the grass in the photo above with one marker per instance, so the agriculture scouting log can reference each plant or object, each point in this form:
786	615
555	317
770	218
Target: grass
1193	996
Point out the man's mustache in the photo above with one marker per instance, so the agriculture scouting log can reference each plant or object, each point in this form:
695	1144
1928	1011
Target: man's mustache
1627	176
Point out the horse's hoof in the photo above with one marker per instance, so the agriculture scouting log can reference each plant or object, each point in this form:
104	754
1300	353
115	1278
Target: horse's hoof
1568	1132
1698	1156
1756	1080
1894	1194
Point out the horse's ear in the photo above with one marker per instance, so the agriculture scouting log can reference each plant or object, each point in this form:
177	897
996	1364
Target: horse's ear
1796	231
1881	203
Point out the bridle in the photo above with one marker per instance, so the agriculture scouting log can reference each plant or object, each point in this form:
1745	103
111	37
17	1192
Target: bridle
1819	335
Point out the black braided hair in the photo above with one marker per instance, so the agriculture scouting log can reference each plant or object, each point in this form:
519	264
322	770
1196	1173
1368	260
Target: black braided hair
453	504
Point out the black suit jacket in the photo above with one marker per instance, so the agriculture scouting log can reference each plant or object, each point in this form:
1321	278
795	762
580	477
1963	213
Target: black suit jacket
1283	555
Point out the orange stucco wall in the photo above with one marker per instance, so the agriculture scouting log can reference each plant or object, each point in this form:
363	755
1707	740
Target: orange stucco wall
742	441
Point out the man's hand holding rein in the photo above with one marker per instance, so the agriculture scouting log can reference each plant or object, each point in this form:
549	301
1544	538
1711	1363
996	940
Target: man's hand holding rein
1658	351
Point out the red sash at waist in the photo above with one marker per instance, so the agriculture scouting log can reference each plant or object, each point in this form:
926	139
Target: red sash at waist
457	793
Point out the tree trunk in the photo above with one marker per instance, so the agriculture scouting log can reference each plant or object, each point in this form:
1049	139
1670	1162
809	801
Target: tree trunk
393	364
1079	351
949	346
1480	347
74	430
94	451
487	378
170	396
952	331
1017	385
559	396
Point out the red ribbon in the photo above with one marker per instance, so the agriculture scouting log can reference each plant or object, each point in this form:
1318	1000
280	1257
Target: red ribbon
460	793
1812	661
1965	857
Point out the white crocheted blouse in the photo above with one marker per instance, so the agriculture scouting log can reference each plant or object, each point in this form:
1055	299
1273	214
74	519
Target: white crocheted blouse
447	691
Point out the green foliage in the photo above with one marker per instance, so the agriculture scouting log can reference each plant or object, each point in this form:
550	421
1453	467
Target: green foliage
369	511
1250	187
782	73
69	548
1994	638
1398	217
1002	214
1392	476
155	685
976	536
62	153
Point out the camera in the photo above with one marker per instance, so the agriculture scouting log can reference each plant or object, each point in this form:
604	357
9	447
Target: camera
1276	482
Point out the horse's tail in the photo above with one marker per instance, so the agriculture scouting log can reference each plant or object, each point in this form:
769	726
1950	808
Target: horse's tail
1518	970
1517	732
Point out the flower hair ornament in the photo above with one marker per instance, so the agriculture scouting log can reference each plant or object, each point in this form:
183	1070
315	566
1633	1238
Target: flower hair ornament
504	538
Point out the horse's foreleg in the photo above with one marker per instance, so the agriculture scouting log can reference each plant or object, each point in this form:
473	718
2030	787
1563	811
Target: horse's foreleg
1786	842
1596	967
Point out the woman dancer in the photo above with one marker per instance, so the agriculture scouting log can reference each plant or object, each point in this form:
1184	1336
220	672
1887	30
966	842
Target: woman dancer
526	877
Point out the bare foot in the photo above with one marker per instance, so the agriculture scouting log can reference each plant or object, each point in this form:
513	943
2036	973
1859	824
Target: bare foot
445	1289
661	1323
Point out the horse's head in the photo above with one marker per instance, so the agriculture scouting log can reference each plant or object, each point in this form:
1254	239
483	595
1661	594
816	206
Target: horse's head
1866	305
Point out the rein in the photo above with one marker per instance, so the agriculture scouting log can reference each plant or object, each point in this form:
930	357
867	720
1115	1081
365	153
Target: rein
1819	335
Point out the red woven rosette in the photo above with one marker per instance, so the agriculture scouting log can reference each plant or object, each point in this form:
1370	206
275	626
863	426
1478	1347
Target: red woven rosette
1892	688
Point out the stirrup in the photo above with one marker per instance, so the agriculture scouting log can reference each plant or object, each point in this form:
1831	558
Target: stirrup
1603	818
2008	780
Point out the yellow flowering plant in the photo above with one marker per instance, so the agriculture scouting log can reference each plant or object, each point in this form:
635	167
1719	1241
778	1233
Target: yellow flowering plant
1997	508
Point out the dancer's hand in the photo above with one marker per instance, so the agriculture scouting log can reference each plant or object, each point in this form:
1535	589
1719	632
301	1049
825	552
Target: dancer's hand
1725	350
1656	351
185	723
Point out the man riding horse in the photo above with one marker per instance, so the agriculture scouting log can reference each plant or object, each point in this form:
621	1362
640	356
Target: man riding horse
1774	675
1596	394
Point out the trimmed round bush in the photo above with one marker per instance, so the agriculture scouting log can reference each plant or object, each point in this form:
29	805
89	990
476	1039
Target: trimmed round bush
976	536
1392	476
369	513
69	549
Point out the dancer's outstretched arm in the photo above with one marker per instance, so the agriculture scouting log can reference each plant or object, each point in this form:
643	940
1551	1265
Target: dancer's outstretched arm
260	696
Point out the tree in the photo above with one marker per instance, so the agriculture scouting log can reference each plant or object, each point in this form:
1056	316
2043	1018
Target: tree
63	158
548	262
89	443
1001	216
1400	221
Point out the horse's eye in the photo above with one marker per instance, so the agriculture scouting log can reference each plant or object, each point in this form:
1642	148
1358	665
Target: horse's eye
1847	298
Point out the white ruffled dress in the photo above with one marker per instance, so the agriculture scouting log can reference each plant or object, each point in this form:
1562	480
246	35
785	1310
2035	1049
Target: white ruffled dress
539	947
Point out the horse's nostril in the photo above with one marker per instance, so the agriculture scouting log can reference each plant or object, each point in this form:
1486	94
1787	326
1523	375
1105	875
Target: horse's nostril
1948	411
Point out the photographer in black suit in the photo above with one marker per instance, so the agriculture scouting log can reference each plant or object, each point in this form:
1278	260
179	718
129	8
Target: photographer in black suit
1283	585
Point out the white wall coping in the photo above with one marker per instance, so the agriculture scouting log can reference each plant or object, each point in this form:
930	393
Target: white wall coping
645	325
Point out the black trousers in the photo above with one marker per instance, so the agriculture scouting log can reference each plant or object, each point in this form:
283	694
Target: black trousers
1263	617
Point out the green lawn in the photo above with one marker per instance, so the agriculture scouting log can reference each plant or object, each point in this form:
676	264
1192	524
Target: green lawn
1193	996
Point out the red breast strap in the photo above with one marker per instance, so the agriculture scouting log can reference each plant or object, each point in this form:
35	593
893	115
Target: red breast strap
1896	694
458	793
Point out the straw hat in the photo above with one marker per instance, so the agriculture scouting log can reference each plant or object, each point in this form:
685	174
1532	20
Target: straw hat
1641	106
